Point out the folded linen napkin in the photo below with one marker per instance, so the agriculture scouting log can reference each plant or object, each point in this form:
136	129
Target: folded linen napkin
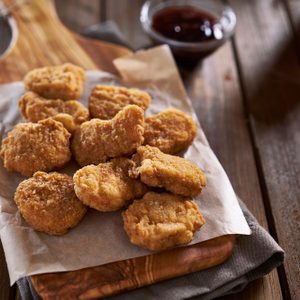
254	256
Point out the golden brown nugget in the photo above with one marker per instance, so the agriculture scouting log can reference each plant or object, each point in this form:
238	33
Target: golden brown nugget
175	174
35	108
107	187
32	147
57	82
171	131
98	140
106	101
161	221
48	203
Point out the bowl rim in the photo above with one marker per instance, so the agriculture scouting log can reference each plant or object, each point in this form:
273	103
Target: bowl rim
146	25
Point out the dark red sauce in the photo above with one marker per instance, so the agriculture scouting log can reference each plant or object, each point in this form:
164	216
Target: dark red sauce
187	24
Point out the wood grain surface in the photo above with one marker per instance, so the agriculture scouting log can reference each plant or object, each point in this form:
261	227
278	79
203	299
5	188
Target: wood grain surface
5	291
39	29
264	28
43	40
272	100
217	99
234	94
113	278
215	93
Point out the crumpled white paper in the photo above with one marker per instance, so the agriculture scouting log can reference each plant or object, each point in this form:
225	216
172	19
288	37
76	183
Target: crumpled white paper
100	238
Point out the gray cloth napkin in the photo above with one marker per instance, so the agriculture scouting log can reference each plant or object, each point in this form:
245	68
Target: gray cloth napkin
254	256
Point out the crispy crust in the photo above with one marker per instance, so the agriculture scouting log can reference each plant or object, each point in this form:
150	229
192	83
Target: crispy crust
35	108
171	131
32	147
160	221
175	174
106	101
107	187
57	82
48	203
98	140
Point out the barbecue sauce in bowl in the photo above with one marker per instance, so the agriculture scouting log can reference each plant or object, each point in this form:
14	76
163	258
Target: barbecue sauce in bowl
187	24
192	29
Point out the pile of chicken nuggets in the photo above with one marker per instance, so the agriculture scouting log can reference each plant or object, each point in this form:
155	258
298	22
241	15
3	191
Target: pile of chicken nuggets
127	161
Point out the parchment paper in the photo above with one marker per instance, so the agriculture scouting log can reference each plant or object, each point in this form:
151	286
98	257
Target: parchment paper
100	238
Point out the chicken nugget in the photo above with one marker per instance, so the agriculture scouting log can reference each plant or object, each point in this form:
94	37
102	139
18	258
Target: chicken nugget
57	82
175	174
107	187
161	221
48	203
98	140
32	147
171	131
35	108
106	101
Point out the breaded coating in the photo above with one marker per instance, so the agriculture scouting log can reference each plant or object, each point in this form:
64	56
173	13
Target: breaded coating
107	187
32	147
106	101
171	131
98	140
161	221
175	174
48	203
63	82
35	108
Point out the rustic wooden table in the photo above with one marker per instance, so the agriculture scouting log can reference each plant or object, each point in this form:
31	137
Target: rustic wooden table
246	96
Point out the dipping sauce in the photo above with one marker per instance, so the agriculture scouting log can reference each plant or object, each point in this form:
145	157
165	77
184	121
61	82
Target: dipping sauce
187	24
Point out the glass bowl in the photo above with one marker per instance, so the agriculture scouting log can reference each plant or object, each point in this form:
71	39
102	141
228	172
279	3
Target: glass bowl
190	51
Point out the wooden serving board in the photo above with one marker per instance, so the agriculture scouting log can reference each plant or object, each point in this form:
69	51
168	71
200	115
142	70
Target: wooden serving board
42	40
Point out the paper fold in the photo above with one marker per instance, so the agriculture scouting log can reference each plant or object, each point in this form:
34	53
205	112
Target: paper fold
100	238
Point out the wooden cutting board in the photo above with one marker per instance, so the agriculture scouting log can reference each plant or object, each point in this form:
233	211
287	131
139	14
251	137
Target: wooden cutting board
42	40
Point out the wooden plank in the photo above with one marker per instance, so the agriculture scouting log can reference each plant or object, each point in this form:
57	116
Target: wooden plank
4	279
6	292
270	75
215	94
39	30
105	280
241	167
29	51
18	295
235	167
262	287
214	90
15	66
128	23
